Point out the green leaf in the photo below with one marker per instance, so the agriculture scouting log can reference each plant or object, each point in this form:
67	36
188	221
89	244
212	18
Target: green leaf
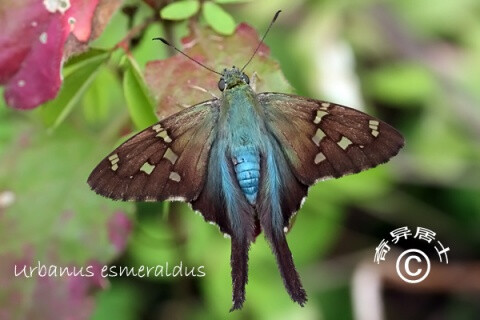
79	74
220	20
99	104
180	10
139	102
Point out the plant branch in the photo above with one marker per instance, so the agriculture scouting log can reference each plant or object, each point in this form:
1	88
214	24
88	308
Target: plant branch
134	32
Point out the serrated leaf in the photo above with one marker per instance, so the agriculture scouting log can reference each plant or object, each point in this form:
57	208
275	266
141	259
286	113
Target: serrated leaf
220	20
180	10
78	77
139	103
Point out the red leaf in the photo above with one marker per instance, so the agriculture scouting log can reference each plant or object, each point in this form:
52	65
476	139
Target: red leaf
80	16
38	78
176	81
33	40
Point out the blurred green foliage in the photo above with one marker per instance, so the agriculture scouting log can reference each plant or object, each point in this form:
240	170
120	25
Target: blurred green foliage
413	64
216	17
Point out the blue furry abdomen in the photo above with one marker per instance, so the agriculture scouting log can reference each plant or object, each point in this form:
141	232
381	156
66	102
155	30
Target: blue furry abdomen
247	169
244	137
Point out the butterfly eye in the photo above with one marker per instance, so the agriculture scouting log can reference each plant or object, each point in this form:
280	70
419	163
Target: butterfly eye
221	84
245	78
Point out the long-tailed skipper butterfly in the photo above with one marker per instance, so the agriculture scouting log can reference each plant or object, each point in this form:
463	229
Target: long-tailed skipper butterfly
245	161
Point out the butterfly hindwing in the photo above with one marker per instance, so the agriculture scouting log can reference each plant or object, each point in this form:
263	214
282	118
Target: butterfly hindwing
322	140
165	161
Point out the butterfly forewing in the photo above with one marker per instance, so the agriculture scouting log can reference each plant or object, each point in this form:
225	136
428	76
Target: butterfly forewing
165	161
322	140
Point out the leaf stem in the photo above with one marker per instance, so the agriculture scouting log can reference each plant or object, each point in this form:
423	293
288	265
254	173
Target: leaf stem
134	32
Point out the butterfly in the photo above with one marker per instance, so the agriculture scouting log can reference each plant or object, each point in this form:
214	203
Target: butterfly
245	161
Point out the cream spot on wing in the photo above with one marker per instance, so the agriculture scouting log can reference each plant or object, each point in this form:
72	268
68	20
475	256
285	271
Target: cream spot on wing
324	105
113	161
318	137
320	115
319	158
373	125
164	135
170	156
285	229
157	127
344	143
174	176
177	199
147	168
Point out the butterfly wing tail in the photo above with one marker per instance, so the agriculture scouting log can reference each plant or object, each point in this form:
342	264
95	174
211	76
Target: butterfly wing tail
280	197
241	216
222	202
287	268
239	263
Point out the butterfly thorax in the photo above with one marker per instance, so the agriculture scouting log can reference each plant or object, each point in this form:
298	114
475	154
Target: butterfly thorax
232	78
243	125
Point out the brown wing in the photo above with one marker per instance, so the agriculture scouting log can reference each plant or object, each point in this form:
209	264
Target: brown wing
322	140
165	161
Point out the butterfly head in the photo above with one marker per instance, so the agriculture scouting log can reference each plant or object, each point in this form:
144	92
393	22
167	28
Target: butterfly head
232	78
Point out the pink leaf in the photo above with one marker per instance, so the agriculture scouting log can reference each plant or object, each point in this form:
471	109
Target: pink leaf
80	16
33	40
38	79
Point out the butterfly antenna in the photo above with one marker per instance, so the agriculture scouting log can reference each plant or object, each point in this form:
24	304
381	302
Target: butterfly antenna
263	38
186	55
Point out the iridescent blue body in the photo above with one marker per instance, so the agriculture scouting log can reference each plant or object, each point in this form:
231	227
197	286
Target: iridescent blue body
242	123
247	167
251	177
244	141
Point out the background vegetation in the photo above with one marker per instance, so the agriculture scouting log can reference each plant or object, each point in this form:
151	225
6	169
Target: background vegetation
414	64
